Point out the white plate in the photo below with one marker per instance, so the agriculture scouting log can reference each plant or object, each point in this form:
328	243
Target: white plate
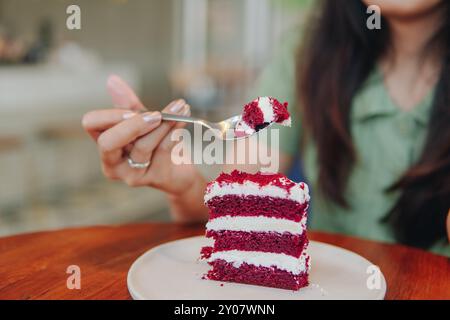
173	271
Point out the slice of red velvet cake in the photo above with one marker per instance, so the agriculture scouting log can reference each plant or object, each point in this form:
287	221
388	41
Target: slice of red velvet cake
258	223
261	112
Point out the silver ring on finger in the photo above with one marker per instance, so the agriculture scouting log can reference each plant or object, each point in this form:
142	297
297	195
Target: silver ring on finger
138	165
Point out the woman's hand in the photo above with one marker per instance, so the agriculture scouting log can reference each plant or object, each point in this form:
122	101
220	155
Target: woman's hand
124	133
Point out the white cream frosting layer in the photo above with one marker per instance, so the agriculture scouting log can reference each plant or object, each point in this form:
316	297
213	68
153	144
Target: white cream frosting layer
256	224
266	107
296	193
263	259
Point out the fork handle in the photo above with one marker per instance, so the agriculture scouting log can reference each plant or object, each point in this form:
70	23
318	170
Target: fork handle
174	117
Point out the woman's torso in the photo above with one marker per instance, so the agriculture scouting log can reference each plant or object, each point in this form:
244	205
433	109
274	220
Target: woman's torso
387	140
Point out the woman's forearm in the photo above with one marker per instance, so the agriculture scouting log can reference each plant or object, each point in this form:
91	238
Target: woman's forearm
188	206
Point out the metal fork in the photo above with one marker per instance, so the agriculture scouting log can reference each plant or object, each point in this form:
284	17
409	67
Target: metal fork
224	130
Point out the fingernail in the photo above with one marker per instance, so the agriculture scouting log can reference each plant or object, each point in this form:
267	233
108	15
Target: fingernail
151	117
177	106
128	115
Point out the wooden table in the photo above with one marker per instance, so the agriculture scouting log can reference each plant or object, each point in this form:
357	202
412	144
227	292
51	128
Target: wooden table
33	266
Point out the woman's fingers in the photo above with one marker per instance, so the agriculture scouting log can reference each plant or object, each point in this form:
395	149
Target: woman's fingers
144	146
97	121
112	141
122	95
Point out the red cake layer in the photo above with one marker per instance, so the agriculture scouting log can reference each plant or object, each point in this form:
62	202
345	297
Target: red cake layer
280	110
206	252
236	205
262	276
286	243
253	115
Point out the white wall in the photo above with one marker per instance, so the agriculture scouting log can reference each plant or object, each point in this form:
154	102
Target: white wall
134	31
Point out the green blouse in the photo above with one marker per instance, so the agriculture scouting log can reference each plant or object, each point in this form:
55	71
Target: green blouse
387	139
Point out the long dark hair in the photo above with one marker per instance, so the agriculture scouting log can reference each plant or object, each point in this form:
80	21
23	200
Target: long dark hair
337	57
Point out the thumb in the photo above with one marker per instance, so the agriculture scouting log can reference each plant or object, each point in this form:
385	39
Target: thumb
122	95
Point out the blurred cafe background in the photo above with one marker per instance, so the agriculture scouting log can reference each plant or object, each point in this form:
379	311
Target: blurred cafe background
208	51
